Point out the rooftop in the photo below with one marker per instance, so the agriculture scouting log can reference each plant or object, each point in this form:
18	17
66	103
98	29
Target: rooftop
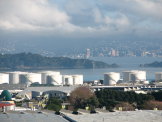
12	86
65	89
124	116
30	117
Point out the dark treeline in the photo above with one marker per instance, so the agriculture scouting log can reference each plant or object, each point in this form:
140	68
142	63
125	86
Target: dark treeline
85	98
110	98
157	95
36	61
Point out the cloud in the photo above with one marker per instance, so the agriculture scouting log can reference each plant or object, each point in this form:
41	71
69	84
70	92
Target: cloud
139	8
117	21
61	24
81	17
32	15
150	8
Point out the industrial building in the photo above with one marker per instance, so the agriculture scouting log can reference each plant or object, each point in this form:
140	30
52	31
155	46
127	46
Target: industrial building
59	91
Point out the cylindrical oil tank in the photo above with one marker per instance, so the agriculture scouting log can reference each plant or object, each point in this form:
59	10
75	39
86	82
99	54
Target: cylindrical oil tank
54	79
14	77
138	76
126	76
134	75
111	78
158	76
77	79
30	78
67	80
4	78
22	79
47	73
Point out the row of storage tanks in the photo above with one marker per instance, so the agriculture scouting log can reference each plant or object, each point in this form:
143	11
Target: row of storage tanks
133	76
46	77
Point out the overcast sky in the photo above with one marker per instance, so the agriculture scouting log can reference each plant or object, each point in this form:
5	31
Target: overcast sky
65	23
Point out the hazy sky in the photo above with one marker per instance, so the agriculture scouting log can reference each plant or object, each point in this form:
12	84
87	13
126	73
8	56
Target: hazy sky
61	24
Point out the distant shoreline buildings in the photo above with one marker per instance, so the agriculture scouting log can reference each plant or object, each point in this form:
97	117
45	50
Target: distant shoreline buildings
114	52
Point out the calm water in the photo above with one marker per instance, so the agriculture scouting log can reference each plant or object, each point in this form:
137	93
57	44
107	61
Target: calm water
126	63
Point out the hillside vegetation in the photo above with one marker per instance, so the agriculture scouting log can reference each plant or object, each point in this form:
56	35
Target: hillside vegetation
154	64
36	61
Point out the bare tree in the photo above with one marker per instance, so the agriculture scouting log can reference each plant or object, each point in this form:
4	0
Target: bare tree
80	96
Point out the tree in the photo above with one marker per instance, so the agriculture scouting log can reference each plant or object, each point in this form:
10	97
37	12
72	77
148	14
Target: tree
157	95
152	104
93	103
110	98
79	97
54	104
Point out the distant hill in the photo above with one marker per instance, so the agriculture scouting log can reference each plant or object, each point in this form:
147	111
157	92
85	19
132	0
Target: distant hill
36	61
154	64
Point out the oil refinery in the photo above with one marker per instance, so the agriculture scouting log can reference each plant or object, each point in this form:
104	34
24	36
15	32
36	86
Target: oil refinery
46	77
57	79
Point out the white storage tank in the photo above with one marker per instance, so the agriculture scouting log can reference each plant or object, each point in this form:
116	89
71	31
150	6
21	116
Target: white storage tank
158	76
67	79
77	79
47	73
4	78
138	76
134	76
126	76
30	78
111	78
14	77
54	79
44	77
22	79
